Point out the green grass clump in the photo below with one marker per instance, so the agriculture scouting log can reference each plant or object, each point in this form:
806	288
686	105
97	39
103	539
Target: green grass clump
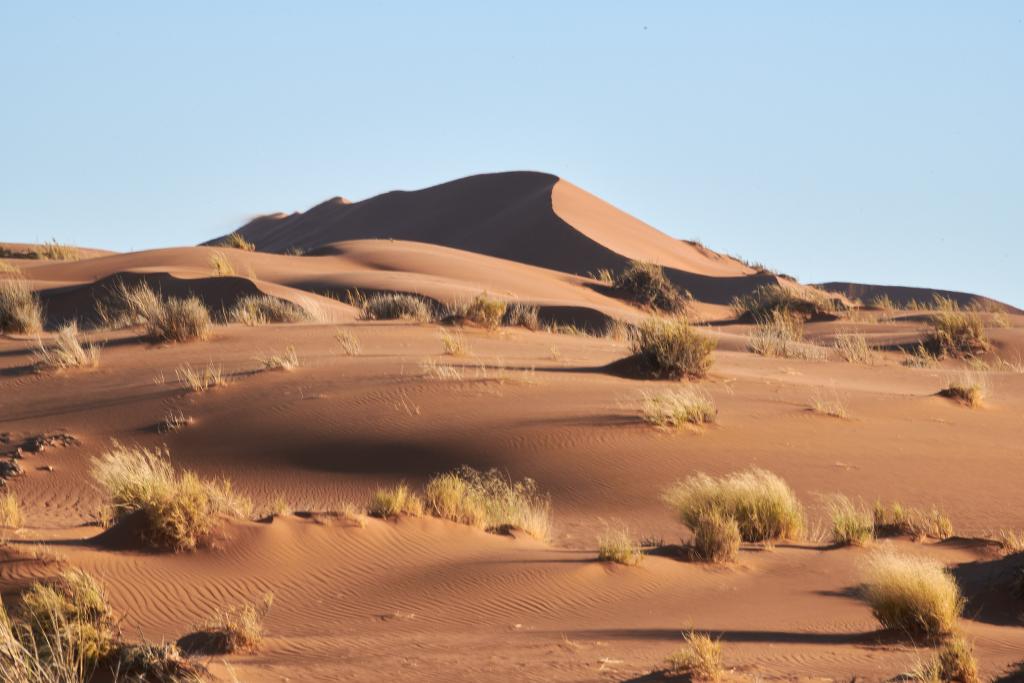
912	595
489	500
645	284
20	311
671	348
763	505
176	511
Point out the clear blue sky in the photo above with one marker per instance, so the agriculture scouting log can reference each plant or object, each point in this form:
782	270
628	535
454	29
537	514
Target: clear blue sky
870	141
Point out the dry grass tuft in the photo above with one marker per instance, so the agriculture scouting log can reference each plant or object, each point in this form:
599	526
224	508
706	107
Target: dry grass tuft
486	311
286	361
671	348
10	511
172	319
238	629
956	333
393	306
236	241
763	505
953	662
616	545
700	658
175	511
831	406
969	388
256	310
897	520
853	348
851	524
392	502
221	265
675	408
767	300
67	351
10	269
645	284
523	315
489	500
20	311
913	595
454	343
181	320
716	537
348	342
780	334
55	251
442	371
174	421
198	380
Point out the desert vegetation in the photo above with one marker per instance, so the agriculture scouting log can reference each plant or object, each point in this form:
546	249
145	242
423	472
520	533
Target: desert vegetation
236	241
394	306
454	343
954	661
20	310
645	284
221	265
261	309
522	315
489	500
767	300
678	407
968	388
55	251
236	629
287	360
956	333
827	404
388	503
672	349
67	351
716	537
853	348
171	510
851	523
780	333
911	595
617	546
171	319
700	658
347	342
10	511
486	311
198	380
896	519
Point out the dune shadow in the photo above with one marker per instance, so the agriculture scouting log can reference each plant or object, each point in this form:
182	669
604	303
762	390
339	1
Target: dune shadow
989	587
865	638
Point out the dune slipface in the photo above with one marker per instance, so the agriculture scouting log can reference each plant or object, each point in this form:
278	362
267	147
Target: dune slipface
851	405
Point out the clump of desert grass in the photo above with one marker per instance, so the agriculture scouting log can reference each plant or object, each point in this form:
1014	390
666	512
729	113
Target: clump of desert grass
388	503
954	661
912	595
645	284
672	348
348	342
20	310
172	319
716	537
287	361
395	306
678	407
956	333
173	510
522	315
454	343
617	546
853	348
55	251
700	658
829	405
261	309
67	351
851	523
9	269
236	629
762	504
968	388
174	420
767	300
486	311
780	334
10	511
445	372
899	520
236	241
489	500
221	265
198	380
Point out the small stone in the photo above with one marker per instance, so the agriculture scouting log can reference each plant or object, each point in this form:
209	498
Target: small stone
47	468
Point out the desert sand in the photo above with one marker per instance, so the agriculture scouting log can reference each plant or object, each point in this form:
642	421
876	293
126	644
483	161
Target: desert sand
420	598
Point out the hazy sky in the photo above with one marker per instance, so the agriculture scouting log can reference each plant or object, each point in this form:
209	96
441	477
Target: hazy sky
877	142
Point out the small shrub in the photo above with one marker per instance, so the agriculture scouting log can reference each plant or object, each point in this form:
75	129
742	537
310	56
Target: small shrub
454	343
391	306
645	284
969	388
615	545
238	629
831	406
910	594
953	662
523	315
780	333
394	501
181	320
55	251
674	408
286	361
236	241
716	537
20	311
851	524
897	520
149	662
262	309
956	333
489	500
766	300
199	381
671	348
175	511
486	311
853	348
221	265
127	306
10	511
67	351
348	342
763	505
700	658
